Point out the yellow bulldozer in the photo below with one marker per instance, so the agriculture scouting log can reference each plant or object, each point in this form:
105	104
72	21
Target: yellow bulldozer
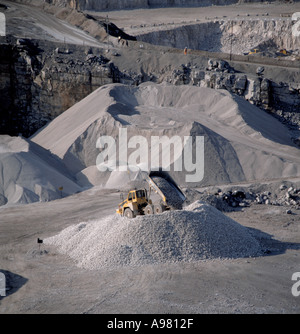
253	51
140	202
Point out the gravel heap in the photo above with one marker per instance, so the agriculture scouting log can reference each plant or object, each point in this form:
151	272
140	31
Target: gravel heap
172	196
199	232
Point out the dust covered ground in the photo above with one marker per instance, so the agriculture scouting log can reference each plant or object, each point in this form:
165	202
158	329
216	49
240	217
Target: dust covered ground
41	280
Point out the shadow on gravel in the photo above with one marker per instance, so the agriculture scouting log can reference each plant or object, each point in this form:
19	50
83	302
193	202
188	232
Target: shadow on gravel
10	283
272	246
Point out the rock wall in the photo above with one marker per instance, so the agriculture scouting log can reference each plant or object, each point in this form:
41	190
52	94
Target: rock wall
237	37
129	4
281	99
257	89
38	82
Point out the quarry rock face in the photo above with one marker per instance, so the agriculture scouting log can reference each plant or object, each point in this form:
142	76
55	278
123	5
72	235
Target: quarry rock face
127	4
38	83
231	36
39	80
256	89
235	37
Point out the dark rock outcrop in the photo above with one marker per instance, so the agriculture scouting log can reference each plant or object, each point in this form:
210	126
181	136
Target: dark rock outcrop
39	81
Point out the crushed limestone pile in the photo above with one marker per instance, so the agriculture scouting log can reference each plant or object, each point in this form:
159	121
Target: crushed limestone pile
29	173
241	143
198	232
173	198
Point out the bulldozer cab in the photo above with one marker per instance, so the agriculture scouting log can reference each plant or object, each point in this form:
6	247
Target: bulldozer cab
253	51
136	196
134	201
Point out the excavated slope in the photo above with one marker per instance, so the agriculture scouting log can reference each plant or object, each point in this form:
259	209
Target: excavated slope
120	5
241	142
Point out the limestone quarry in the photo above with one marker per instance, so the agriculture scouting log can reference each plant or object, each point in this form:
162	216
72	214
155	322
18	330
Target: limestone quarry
97	94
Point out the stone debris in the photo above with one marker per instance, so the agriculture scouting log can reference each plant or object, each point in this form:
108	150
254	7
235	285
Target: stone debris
199	232
230	200
172	197
254	88
260	70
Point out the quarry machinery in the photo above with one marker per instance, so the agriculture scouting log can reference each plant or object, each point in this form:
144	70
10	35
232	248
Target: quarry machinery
144	202
251	52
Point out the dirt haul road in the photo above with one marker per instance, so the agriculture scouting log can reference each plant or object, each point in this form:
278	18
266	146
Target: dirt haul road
30	21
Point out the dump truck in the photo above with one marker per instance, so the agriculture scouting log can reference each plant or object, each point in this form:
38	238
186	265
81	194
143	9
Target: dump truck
143	202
